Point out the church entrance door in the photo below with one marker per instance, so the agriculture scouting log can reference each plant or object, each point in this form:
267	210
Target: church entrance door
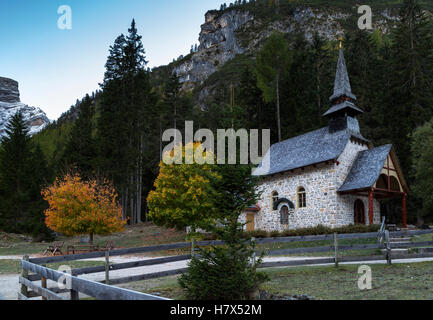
359	212
250	222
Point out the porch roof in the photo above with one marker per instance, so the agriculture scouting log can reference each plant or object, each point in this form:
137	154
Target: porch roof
366	169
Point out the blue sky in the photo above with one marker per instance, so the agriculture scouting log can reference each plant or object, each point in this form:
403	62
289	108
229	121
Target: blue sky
55	67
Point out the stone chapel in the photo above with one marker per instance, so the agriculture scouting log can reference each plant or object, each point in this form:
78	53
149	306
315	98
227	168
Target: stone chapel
332	176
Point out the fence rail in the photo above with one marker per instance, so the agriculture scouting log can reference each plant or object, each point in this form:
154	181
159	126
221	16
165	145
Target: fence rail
104	290
182	245
93	289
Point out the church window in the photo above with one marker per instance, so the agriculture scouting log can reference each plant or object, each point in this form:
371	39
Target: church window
302	198
274	200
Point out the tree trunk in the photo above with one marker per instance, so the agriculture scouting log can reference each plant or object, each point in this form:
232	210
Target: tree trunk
91	239
319	102
131	202
126	204
278	107
420	220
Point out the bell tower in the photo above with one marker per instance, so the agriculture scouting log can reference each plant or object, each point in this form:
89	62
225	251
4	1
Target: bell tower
343	111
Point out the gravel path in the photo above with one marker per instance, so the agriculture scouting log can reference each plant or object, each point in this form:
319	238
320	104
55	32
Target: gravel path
9	287
11	257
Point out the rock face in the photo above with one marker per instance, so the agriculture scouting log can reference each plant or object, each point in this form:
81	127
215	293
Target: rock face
10	104
226	34
218	44
9	90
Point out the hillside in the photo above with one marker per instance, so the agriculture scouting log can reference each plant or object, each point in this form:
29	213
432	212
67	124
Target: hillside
240	30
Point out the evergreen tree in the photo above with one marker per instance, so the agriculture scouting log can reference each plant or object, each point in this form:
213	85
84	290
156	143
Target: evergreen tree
321	58
80	149
125	125
411	100
22	173
422	149
256	110
227	272
272	64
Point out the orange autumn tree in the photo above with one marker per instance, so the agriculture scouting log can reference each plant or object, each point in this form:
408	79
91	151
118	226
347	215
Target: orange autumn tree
82	207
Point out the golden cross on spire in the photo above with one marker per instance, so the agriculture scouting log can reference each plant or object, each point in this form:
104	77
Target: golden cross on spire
340	38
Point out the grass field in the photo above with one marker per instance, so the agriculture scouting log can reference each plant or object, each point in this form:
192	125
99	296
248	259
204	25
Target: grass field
148	234
9	266
397	282
135	236
293	245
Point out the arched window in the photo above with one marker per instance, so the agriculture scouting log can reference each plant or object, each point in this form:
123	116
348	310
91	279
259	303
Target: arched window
395	185
302	198
284	215
274	200
382	182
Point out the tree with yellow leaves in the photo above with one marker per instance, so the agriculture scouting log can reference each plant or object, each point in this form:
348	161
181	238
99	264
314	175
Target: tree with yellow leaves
82	207
184	194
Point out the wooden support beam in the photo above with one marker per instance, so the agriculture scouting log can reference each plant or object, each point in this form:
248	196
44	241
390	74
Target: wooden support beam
44	284
45	293
336	249
404	209
371	206
22	297
25	275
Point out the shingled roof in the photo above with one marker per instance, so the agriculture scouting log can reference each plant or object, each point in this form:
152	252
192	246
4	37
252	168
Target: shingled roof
342	83
366	169
343	106
308	149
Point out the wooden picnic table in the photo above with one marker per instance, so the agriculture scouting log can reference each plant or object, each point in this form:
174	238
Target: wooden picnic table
55	248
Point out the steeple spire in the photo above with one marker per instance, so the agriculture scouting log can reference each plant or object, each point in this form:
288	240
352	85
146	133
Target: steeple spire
342	88
343	100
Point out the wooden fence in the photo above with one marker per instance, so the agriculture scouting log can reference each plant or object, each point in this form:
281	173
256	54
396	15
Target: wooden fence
105	290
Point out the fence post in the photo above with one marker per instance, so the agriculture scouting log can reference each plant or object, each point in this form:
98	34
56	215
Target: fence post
336	249
388	248
44	283
192	247
253	240
25	275
107	267
75	295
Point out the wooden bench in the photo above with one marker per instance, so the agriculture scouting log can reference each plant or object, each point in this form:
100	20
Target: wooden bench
108	247
74	249
56	248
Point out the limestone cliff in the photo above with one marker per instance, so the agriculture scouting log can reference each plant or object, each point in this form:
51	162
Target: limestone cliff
237	31
10	104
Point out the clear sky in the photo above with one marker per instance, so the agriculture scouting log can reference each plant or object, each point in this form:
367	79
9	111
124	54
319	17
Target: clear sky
56	67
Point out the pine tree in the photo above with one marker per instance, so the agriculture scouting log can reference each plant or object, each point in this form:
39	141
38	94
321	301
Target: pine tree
125	125
272	63
22	173
115	62
226	272
422	149
80	149
411	100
